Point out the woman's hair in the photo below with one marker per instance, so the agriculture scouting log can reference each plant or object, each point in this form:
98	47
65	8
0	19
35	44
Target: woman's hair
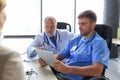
2	15
2	4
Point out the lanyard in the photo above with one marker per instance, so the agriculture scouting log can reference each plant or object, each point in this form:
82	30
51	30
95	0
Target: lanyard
46	40
89	40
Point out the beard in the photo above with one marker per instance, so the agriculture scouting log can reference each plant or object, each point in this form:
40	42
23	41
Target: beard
49	34
85	33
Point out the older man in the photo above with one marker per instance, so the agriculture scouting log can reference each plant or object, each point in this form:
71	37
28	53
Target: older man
51	39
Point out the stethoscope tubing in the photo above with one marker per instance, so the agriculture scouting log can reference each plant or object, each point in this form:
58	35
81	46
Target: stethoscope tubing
46	40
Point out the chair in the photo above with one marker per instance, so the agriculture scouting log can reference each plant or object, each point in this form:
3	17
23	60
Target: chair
64	25
106	33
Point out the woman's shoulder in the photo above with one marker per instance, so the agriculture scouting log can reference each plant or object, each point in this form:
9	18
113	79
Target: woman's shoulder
4	50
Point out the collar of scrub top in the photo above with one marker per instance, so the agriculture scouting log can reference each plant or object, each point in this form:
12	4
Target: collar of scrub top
46	38
82	40
89	39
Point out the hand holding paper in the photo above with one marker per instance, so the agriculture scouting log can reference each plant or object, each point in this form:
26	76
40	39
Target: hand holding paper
42	62
47	56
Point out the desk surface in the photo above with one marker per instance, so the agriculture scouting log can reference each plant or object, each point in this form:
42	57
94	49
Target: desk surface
116	41
43	73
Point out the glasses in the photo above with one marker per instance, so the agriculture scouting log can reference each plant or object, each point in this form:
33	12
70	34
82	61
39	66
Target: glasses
30	74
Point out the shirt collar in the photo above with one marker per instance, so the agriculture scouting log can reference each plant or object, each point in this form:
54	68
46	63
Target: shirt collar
88	39
55	32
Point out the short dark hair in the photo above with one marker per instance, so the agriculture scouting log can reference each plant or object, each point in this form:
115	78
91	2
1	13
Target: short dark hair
88	14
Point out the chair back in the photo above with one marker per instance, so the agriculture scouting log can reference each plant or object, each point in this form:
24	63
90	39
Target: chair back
105	32
64	25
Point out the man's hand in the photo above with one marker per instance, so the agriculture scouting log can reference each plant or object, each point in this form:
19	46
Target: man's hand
42	62
60	66
42	48
58	57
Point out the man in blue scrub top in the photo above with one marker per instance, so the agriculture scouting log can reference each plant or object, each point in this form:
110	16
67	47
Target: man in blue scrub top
87	54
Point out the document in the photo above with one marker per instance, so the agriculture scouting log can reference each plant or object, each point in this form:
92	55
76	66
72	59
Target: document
26	59
47	56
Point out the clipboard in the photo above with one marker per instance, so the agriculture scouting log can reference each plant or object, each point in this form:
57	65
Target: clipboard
47	56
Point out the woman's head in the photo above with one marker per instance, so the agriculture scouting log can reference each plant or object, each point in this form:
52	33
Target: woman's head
2	13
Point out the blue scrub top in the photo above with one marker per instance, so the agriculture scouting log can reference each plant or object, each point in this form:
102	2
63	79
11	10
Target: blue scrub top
83	52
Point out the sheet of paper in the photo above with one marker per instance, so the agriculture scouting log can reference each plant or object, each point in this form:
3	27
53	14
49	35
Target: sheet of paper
47	56
26	59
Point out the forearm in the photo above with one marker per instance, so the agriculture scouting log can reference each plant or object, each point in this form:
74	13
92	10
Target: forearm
31	48
31	52
93	70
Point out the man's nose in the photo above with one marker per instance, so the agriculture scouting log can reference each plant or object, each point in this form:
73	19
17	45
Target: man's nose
49	29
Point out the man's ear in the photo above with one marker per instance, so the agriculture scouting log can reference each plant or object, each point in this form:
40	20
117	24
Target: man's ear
93	24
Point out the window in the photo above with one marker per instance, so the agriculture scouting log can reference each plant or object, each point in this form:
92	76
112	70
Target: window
23	17
93	5
62	10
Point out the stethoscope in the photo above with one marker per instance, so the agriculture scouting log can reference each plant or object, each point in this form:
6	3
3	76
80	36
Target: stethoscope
77	44
46	40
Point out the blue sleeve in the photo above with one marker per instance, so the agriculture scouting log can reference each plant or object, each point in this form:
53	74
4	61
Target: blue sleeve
66	51
100	52
35	44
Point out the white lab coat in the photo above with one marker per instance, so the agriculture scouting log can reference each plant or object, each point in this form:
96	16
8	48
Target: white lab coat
63	38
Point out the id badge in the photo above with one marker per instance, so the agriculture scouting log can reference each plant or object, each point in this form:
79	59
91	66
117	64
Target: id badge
73	48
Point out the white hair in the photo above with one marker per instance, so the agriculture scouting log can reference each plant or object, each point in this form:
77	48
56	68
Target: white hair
52	18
